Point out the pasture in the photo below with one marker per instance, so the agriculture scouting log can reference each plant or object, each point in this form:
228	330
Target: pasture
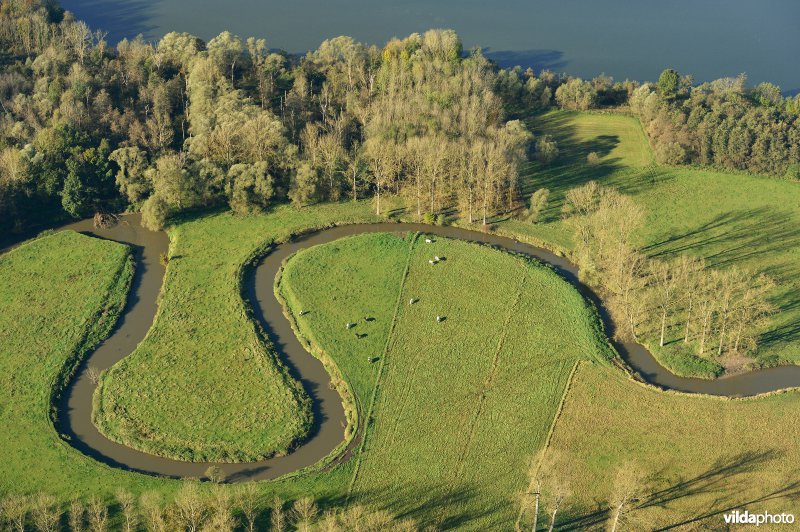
702	456
462	405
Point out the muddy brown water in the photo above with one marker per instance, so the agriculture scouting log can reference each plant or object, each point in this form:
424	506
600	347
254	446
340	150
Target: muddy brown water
75	409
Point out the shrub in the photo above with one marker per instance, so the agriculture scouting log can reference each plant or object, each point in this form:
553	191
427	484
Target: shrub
593	159
576	95
793	172
546	149
536	204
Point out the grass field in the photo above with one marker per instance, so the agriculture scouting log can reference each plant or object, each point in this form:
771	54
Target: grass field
727	218
705	456
202	385
462	405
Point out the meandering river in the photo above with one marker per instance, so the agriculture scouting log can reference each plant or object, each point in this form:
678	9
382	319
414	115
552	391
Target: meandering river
75	409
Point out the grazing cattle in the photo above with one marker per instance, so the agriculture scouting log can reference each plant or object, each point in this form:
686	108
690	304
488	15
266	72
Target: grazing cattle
428	241
436	258
431	262
439	319
350	325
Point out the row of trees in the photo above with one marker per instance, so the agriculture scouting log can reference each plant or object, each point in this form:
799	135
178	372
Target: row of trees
193	509
550	491
715	311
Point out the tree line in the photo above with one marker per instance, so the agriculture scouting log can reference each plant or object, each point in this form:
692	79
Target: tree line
723	123
550	493
713	311
193	508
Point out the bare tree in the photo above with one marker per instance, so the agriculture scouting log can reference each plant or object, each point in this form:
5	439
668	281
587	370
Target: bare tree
152	511
689	273
191	506
665	279
752	312
304	512
46	513
221	519
277	517
98	515
706	305
127	504
248	501
76	517
628	486
15	509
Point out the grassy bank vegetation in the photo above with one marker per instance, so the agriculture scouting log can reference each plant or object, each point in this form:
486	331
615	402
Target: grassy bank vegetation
463	404
698	457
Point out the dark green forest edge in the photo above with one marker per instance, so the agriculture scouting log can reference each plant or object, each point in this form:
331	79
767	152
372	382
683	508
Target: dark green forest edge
425	129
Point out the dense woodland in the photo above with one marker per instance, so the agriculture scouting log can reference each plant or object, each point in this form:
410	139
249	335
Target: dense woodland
178	124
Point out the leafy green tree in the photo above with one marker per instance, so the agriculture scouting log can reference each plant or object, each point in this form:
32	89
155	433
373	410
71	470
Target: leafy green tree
89	185
668	83
131	179
250	187
576	95
155	212
536	204
546	149
305	185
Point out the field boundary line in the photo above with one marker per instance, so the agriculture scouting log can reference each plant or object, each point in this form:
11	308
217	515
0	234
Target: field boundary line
386	347
538	458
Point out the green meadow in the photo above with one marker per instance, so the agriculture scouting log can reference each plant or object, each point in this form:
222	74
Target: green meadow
457	408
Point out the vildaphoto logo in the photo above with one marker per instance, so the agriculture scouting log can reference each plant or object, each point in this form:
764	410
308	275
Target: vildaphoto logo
737	517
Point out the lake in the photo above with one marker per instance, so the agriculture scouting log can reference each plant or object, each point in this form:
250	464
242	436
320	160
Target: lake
623	38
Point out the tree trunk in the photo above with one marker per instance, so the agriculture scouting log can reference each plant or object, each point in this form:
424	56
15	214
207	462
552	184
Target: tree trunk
419	200
703	334
616	518
553	520
470	205
378	203
722	336
688	319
